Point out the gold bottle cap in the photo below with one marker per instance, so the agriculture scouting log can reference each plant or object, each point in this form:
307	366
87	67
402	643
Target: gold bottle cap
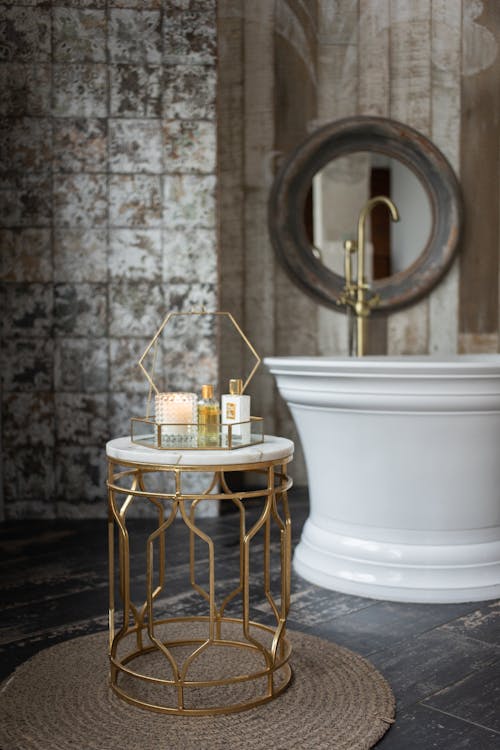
207	391
236	387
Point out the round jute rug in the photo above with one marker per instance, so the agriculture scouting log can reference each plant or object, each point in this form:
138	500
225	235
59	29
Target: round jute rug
60	700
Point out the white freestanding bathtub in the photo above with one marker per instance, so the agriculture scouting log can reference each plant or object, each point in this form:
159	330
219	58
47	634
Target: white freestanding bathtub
403	461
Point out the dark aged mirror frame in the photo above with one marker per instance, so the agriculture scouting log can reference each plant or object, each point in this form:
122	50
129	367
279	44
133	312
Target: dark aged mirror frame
340	138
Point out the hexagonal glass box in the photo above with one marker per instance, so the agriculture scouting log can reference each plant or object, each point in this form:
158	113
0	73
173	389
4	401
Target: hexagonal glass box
182	355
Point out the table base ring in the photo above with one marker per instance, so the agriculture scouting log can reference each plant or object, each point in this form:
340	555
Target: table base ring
246	691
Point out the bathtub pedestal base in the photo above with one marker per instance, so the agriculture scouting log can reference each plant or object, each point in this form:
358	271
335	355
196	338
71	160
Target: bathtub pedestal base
398	571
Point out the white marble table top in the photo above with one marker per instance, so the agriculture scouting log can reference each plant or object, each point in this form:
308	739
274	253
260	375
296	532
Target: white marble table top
273	448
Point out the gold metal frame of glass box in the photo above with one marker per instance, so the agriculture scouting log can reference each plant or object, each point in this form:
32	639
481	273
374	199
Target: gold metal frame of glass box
171	316
226	439
154	440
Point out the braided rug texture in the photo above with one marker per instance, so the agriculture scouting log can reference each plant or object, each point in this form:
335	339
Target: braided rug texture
60	700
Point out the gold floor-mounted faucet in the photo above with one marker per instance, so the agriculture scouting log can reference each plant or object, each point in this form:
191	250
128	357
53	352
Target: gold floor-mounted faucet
356	294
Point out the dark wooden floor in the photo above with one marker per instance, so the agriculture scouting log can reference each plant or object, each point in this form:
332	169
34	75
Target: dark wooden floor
443	660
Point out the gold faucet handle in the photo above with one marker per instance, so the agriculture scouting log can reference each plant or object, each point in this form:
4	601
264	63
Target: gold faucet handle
374	301
350	248
347	298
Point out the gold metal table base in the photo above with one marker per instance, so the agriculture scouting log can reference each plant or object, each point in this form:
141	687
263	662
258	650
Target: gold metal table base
220	661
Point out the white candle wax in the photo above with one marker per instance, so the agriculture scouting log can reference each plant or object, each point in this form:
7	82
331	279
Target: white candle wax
175	411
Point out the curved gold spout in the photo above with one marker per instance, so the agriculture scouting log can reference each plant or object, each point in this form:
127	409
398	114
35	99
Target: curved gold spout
363	304
369	206
355	296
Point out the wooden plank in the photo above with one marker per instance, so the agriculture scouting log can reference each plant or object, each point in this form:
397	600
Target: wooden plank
479	165
411	62
410	103
445	130
258	124
230	182
374	99
294	81
337	97
477	343
374	66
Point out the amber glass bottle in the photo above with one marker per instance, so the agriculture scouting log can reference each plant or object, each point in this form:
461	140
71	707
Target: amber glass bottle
208	419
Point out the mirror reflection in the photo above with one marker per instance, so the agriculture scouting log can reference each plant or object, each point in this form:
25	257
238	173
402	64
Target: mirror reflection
339	191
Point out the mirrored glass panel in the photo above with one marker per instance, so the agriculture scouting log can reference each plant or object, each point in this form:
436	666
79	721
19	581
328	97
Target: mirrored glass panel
341	189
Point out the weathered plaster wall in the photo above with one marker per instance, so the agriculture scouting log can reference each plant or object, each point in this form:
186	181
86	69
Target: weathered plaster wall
107	221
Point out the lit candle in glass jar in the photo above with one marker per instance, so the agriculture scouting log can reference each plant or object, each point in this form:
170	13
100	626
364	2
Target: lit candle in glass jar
175	412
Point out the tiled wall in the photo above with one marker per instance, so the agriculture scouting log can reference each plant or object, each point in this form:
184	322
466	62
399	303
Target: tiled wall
107	221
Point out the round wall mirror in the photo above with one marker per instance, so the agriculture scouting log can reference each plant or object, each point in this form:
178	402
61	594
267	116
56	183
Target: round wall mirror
321	188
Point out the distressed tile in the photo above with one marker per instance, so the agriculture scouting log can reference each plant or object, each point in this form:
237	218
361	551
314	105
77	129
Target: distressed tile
24	2
420	727
382	624
81	365
189	362
124	374
80	145
33	509
98	4
81	418
311	606
25	144
80	90
190	254
80	200
25	255
27	310
134	201
29	481
139	4
135	308
189	200
80	309
28	419
25	200
475	698
79	35
189	92
27	365
419	667
136	90
187	297
135	254
72	250
10	205
135	145
25	35
189	37
80	474
191	5
83	509
189	146
123	406
188	343
26	89
134	36
482	623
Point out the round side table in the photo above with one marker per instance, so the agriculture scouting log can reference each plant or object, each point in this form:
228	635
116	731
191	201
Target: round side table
219	658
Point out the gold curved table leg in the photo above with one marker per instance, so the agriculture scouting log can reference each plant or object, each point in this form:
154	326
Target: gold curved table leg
138	637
